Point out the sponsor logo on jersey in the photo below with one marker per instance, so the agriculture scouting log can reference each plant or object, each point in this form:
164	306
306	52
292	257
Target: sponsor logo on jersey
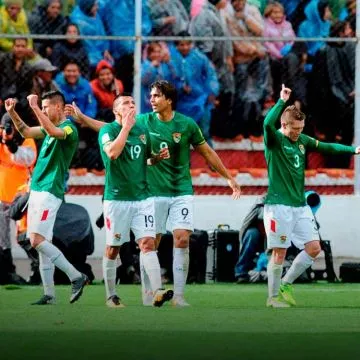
288	148
302	148
176	137
283	238
142	137
155	134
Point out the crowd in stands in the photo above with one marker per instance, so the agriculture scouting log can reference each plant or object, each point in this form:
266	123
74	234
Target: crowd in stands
225	86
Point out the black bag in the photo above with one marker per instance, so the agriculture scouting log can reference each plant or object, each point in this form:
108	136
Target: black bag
350	272
225	245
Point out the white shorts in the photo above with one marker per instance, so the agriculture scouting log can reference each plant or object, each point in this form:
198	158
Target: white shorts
42	211
179	210
122	216
286	224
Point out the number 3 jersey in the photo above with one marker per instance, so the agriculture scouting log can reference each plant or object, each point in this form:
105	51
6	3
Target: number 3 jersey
125	177
286	160
171	177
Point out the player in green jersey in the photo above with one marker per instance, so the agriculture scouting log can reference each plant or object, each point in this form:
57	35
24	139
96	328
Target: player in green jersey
170	180
286	215
125	149
48	186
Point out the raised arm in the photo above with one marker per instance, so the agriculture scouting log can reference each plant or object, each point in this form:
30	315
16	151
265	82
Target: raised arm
44	121
332	148
273	116
113	149
82	119
213	159
24	130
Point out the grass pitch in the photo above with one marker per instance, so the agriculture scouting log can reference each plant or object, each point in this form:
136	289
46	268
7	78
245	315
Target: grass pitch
225	321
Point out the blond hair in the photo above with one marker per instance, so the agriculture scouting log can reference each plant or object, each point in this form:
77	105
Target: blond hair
270	8
292	113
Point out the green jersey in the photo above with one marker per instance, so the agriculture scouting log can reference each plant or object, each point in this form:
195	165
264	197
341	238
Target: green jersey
171	177
54	160
125	177
286	160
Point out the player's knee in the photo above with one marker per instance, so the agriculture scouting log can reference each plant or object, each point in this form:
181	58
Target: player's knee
313	249
278	255
36	239
181	238
111	252
147	244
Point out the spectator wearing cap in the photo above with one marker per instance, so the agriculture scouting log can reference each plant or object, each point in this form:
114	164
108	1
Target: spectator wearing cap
47	19
71	49
86	17
17	155
16	76
106	87
13	20
43	78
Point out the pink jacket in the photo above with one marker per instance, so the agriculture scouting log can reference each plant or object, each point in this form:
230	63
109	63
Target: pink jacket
196	6
284	29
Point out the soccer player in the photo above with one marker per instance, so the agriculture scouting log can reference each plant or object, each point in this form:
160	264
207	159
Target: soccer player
47	187
170	179
286	215
125	149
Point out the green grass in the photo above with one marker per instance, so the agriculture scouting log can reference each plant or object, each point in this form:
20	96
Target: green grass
225	321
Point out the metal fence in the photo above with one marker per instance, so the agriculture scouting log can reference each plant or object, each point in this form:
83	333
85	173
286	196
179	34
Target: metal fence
228	84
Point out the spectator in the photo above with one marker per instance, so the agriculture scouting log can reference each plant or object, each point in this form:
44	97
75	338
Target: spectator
252	68
13	20
169	17
105	88
119	19
277	26
196	82
334	72
71	50
16	75
156	66
76	88
209	23
196	6
16	157
43	78
316	24
89	22
47	19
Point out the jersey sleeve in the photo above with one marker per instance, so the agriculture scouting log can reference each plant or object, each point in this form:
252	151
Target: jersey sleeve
105	136
270	121
70	131
196	137
328	148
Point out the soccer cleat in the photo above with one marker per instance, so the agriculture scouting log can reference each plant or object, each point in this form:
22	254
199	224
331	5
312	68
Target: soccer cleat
286	291
114	302
162	296
277	302
77	287
45	300
179	301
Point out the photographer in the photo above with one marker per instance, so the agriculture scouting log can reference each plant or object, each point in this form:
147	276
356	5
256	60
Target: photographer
17	156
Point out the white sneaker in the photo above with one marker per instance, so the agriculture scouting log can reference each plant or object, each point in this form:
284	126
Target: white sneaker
179	301
276	302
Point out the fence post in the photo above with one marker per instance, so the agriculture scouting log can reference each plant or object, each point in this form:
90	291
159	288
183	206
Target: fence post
137	54
357	100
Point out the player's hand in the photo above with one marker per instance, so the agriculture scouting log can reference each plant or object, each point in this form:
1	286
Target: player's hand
33	100
235	188
285	93
357	150
10	104
164	153
128	119
74	111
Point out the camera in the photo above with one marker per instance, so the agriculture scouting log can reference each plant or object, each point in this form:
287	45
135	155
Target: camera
8	129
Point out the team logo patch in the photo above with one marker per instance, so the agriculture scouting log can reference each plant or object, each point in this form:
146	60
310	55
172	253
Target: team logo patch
283	238
176	137
302	148
117	236
142	137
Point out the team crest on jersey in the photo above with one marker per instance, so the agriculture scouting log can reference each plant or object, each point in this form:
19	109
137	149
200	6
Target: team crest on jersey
176	137
142	137
283	238
302	148
117	236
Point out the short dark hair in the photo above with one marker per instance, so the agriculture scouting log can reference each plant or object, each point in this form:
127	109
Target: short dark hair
292	113
167	89
54	95
182	33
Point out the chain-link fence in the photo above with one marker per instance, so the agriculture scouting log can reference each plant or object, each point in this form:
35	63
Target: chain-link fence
228	61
